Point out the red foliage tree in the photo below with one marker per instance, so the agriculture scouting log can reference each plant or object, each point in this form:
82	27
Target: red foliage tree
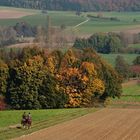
2	103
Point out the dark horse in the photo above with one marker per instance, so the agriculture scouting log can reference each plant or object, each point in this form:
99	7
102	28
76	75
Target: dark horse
26	122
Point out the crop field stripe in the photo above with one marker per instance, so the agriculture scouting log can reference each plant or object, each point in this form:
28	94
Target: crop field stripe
106	124
70	19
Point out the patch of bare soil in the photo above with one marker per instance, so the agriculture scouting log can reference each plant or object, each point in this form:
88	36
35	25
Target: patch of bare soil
130	83
22	45
106	124
133	30
13	14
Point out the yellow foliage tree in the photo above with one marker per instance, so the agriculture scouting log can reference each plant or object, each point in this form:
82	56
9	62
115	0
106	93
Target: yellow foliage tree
80	84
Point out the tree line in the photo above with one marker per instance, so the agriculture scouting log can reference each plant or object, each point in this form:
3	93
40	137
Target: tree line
109	43
78	5
34	78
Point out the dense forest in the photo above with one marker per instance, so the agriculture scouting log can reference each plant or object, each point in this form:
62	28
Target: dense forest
79	5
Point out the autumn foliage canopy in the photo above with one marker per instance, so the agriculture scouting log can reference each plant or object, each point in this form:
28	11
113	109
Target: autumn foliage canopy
37	79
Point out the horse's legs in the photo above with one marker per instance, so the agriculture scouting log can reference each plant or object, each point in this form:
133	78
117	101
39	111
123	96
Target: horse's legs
26	125
29	126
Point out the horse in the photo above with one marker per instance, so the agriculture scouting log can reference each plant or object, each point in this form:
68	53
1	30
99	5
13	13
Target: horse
26	123
29	123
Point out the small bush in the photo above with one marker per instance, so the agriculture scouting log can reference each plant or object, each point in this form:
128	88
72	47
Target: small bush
107	101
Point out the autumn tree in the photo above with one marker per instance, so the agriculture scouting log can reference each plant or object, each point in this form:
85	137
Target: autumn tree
3	83
29	52
3	77
137	60
106	73
122	67
2	103
50	95
24	83
53	61
79	80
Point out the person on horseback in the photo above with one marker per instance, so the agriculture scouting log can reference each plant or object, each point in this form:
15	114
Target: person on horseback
24	117
29	120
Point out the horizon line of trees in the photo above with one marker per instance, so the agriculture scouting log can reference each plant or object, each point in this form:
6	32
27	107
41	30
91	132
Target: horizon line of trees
76	5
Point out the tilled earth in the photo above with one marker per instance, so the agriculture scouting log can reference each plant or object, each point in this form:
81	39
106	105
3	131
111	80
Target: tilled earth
13	14
106	124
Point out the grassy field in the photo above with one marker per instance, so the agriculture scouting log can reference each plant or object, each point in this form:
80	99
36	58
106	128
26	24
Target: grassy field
70	19
131	93
131	90
105	25
41	119
57	18
110	58
134	45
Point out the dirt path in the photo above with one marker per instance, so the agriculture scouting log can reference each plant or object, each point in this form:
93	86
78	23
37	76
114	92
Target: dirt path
130	83
81	23
106	124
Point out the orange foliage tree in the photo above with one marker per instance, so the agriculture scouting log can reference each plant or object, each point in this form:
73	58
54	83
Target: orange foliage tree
79	82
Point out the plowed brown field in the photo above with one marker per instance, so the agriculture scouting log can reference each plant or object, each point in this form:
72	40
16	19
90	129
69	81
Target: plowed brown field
12	14
106	124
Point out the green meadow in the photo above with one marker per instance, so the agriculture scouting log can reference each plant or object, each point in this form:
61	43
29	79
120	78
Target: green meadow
110	58
134	45
132	90
131	94
70	19
38	18
126	21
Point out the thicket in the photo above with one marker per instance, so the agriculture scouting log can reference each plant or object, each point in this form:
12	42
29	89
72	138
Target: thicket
33	78
137	60
109	43
101	42
122	67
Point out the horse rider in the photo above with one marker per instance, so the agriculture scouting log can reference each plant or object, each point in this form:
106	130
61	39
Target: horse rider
24	117
29	120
